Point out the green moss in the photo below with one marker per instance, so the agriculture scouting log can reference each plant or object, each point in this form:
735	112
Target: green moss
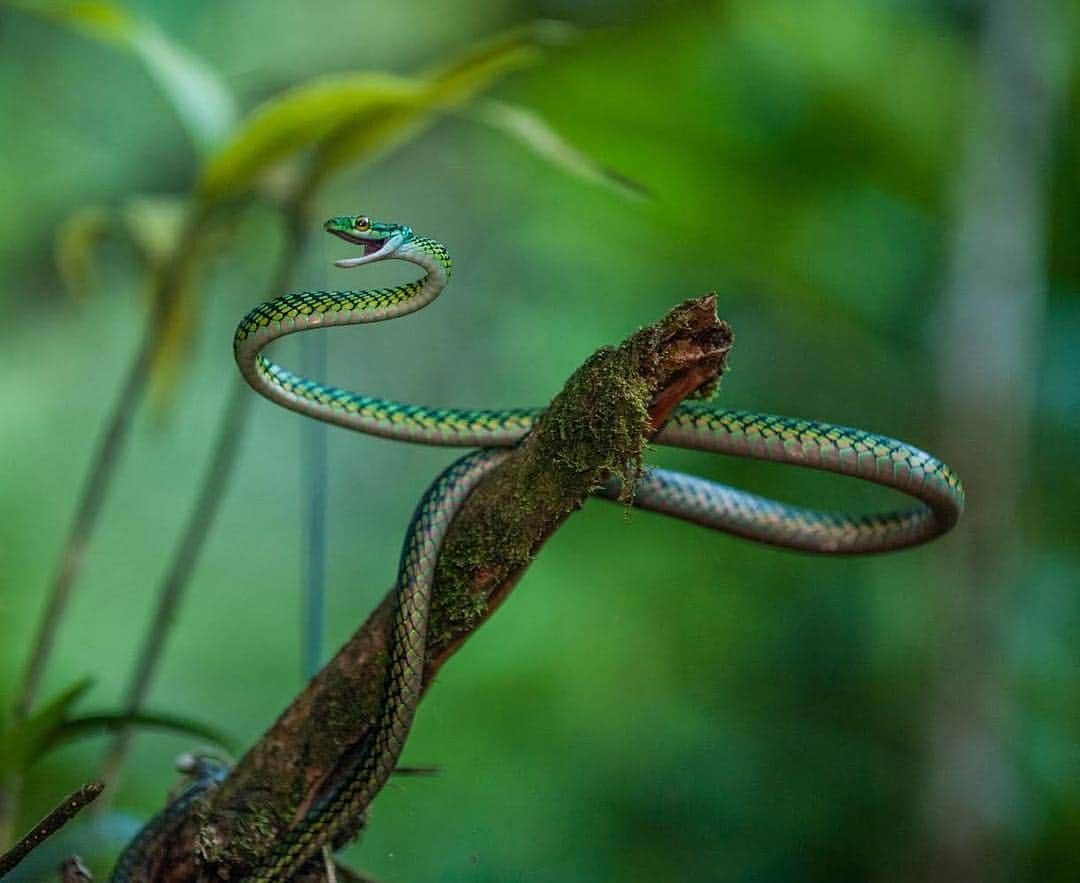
255	827
597	427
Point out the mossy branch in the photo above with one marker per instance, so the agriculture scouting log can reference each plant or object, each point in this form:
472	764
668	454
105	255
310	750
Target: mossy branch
598	426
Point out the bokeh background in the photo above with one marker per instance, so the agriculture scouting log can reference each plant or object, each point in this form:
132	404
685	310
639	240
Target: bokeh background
885	196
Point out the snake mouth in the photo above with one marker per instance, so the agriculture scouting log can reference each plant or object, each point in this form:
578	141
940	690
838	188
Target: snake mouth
370	246
373	249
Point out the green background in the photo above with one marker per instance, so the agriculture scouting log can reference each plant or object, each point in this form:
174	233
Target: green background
654	702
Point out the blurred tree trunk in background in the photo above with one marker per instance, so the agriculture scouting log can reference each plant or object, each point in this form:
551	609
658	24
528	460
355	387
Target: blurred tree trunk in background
989	351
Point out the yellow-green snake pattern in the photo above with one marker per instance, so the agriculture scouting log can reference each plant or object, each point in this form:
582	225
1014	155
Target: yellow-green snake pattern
696	425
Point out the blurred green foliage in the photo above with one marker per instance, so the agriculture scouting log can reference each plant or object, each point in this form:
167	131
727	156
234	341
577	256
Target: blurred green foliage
654	702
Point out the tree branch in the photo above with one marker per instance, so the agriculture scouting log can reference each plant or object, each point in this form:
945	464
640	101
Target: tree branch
596	427
53	822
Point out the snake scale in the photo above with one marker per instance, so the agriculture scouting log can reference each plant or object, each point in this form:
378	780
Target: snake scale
698	425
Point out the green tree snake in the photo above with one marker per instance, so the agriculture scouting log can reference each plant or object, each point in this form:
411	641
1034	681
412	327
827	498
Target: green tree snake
698	425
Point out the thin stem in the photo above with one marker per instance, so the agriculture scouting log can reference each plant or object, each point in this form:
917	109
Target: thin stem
99	479
197	529
102	468
49	825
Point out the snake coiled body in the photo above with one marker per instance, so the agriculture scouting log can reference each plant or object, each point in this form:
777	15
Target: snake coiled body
697	425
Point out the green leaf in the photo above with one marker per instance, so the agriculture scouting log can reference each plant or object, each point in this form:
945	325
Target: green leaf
298	119
532	130
445	88
352	118
198	95
94	18
488	59
22	741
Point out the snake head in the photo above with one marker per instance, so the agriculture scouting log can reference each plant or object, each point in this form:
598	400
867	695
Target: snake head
379	240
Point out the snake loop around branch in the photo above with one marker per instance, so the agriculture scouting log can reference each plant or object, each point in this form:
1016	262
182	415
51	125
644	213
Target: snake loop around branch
697	425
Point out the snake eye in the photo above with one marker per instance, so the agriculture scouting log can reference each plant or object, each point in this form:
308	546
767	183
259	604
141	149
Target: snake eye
362	224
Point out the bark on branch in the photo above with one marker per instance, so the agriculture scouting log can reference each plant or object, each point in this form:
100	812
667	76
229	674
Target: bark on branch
596	427
71	806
